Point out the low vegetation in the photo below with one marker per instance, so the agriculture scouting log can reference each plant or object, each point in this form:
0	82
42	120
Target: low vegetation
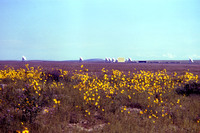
34	99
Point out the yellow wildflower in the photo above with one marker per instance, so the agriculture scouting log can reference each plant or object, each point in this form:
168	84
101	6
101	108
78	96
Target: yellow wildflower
178	101
25	130
141	112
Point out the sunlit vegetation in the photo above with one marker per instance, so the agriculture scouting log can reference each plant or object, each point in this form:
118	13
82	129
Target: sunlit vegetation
37	100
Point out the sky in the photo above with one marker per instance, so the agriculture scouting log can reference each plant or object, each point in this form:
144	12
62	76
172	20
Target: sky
70	29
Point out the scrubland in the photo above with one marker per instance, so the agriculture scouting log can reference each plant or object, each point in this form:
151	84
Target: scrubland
55	99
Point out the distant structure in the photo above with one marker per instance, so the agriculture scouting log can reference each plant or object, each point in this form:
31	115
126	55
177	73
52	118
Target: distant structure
113	60
81	59
116	61
106	60
191	61
23	58
142	61
129	60
121	59
109	60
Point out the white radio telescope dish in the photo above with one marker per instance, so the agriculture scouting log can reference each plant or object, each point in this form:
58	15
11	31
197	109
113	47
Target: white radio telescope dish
80	59
191	60
113	59
106	59
23	58
129	60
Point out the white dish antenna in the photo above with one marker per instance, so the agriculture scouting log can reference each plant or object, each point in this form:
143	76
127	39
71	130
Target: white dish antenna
81	59
129	60
191	60
23	58
106	59
113	59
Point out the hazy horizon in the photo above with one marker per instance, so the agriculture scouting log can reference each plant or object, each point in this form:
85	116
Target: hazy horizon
20	59
67	29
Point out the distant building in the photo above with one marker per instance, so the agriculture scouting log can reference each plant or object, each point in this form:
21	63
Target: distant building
142	61
121	59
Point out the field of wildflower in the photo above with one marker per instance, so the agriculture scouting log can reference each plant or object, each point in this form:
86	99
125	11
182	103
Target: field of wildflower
35	98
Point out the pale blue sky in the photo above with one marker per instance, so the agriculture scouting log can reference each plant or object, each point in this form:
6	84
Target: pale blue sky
69	29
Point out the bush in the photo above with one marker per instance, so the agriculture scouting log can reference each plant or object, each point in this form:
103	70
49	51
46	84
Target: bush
189	88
